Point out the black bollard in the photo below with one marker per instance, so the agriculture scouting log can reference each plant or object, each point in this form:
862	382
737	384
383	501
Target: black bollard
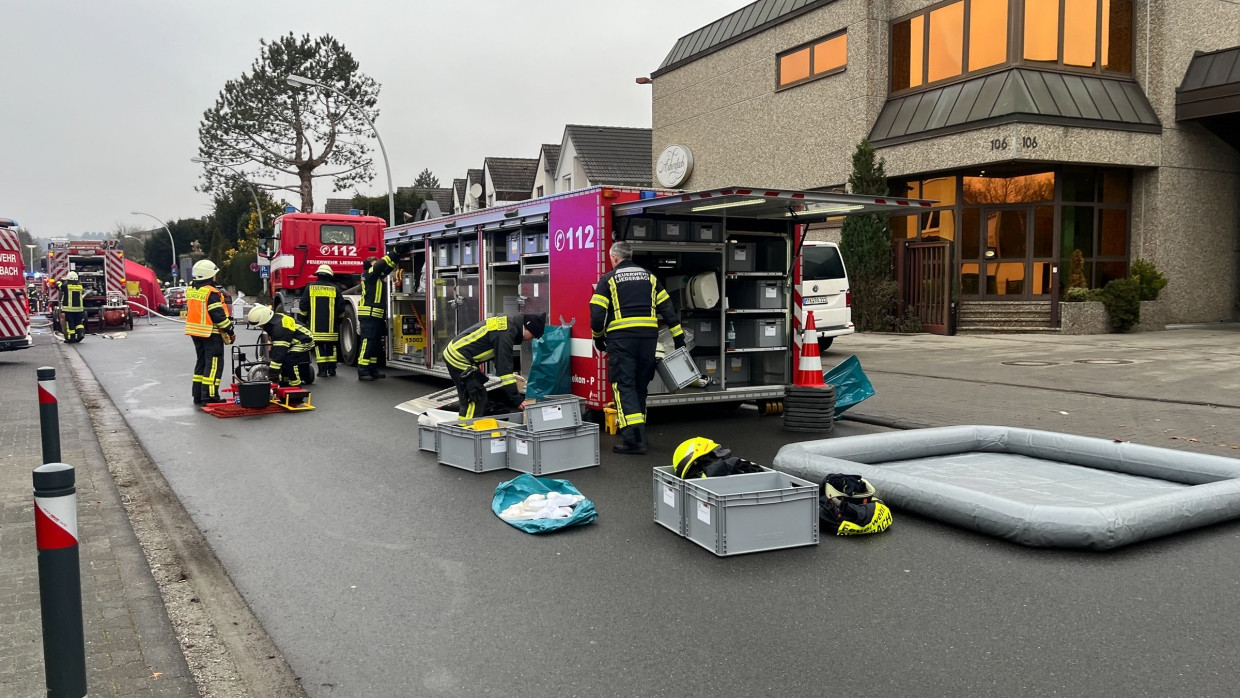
60	580
49	414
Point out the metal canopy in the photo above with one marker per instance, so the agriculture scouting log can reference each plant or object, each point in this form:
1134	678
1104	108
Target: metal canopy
770	204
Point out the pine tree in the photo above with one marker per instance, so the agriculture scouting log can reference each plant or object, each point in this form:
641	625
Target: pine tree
426	179
865	242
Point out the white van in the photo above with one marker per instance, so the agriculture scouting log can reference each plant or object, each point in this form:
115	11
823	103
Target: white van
825	292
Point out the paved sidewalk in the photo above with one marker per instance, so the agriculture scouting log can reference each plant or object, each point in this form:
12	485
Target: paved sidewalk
131	649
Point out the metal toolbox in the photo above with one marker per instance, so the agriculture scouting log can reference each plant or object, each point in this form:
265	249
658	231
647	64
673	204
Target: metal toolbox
742	256
669	500
554	412
750	513
477	451
469	252
736	370
553	451
760	333
764	294
673	231
706	232
514	247
677	369
706	332
640	229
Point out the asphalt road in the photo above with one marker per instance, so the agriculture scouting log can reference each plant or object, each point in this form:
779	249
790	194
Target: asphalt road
380	573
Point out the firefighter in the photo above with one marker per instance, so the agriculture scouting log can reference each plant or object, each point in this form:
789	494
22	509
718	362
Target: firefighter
291	344
71	303
207	322
624	321
490	340
322	311
370	312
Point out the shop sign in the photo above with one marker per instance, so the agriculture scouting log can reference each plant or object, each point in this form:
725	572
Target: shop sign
674	166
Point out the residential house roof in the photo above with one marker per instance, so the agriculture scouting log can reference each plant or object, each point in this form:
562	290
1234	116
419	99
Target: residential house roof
1019	94
458	186
616	155
513	178
552	151
341	206
745	22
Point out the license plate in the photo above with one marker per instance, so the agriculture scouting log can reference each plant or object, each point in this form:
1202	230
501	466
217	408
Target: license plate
816	300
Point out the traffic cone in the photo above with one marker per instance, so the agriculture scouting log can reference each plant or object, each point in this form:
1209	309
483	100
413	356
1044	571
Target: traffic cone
809	367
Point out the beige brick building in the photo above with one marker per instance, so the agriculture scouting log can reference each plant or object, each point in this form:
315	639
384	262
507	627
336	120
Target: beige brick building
1041	126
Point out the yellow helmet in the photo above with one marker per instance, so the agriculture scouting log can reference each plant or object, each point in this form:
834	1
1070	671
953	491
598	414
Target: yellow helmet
323	269
689	451
260	315
205	269
873	517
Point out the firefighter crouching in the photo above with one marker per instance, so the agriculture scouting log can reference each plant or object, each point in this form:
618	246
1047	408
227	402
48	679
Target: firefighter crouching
623	322
288	363
207	322
370	312
322	310
489	340
72	304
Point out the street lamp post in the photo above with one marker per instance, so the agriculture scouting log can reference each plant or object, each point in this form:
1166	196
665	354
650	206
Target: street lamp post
299	81
257	206
175	271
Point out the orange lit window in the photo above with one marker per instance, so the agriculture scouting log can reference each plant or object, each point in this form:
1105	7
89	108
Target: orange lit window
946	42
1117	35
794	67
1080	33
831	54
1042	30
821	58
988	32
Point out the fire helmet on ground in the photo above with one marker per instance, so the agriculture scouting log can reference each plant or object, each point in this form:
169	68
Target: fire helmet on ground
260	315
205	269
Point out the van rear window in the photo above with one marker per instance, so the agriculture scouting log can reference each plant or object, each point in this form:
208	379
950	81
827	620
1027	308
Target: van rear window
822	263
336	235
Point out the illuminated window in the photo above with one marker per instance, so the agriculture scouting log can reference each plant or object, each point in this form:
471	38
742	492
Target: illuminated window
946	42
1117	35
1042	30
821	58
988	32
936	44
1080	33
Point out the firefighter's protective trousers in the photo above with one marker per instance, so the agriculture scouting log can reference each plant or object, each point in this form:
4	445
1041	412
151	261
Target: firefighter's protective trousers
322	312
630	366
372	342
208	366
471	392
206	321
71	302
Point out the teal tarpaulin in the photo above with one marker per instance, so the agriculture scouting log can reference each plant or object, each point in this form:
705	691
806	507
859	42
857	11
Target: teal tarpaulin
550	369
851	385
516	490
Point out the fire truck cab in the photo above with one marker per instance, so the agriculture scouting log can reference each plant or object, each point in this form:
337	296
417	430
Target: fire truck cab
736	245
14	304
303	241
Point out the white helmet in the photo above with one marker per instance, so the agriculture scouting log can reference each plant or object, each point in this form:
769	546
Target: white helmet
205	269
323	269
71	276
260	315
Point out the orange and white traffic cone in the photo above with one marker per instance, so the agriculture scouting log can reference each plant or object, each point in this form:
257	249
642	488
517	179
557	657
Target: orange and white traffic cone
809	367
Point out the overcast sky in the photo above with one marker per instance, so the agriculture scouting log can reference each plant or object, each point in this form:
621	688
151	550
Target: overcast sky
101	100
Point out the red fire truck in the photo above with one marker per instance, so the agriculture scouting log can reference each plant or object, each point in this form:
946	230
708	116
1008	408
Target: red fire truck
723	254
303	241
100	266
14	305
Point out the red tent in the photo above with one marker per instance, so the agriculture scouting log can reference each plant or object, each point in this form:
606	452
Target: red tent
148	286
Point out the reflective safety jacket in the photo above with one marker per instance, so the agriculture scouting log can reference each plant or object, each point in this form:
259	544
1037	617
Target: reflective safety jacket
626	302
204	310
287	337
322	310
491	340
374	291
71	293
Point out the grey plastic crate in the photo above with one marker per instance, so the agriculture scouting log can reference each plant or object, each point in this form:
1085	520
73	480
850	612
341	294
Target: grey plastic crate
757	333
447	254
764	294
553	451
554	412
677	369
737	370
710	367
428	438
673	231
706	331
478	451
751	513
530	243
640	229
513	247
707	232
669	500
742	256
469	252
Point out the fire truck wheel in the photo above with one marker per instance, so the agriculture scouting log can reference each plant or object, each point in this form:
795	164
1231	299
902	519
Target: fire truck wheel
348	339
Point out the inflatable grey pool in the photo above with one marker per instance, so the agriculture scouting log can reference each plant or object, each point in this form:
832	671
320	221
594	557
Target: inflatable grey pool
1032	487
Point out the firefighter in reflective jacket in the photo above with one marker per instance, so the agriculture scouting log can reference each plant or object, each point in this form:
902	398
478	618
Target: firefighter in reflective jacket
322	310
624	320
288	363
207	322
71	304
490	340
370	312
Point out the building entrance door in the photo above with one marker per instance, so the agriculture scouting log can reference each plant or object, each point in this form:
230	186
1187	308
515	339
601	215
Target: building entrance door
1008	252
